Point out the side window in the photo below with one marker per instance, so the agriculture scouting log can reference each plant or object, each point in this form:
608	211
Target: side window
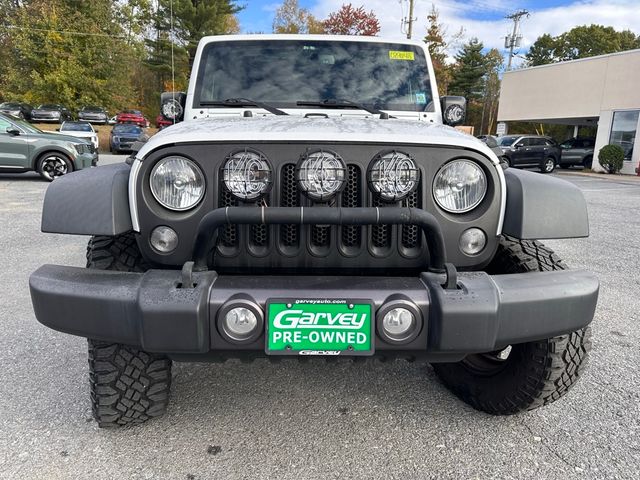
549	143
536	142
589	143
4	125
525	142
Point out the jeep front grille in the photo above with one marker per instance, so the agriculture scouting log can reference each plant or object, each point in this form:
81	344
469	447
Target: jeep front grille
320	240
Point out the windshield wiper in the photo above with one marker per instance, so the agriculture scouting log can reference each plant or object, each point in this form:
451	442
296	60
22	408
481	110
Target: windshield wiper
243	102
337	103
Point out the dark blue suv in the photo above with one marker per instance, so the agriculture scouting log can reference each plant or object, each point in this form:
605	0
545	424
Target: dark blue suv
123	137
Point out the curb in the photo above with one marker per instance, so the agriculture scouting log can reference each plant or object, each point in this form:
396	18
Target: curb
631	179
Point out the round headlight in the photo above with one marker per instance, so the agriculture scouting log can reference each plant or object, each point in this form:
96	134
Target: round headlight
459	186
393	176
247	174
321	175
177	183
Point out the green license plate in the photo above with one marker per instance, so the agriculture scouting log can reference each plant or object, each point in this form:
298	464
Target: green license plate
319	327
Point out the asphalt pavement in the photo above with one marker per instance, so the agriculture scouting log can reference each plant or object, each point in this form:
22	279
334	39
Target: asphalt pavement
317	420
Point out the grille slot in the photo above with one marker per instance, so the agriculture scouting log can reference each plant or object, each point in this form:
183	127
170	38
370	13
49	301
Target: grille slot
229	234
352	197
410	233
380	234
289	197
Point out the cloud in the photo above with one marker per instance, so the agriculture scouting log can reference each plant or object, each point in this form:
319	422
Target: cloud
485	20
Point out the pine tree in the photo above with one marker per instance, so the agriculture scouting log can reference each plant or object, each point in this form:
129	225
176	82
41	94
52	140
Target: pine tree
469	71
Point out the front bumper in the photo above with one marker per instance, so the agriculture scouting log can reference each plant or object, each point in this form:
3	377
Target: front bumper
152	311
86	160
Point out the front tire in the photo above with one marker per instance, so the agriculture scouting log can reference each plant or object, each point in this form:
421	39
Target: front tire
128	385
52	165
524	376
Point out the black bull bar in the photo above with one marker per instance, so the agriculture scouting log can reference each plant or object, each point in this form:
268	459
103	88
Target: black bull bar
210	224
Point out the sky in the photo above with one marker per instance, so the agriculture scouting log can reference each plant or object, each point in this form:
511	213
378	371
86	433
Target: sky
484	19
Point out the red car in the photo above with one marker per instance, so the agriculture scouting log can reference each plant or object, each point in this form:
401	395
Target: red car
134	117
162	122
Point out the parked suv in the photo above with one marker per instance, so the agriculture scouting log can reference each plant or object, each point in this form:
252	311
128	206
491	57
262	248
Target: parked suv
312	203
577	151
25	148
530	151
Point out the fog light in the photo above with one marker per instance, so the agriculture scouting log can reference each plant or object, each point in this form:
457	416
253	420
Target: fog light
472	241
397	322
164	239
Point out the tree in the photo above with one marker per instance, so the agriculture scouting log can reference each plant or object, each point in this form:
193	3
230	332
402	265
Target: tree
493	62
290	18
467	77
437	50
581	42
352	21
194	19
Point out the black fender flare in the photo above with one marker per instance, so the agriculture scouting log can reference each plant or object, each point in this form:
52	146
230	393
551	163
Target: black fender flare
542	207
92	201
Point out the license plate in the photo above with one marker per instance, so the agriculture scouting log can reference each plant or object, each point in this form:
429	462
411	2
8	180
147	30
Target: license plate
319	327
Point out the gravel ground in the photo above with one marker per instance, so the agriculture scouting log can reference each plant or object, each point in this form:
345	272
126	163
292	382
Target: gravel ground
293	420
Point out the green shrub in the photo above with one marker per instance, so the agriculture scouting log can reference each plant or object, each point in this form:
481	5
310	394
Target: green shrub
611	157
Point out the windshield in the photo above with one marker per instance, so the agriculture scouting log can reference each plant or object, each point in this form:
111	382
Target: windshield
49	106
386	76
76	127
92	109
507	141
127	129
10	105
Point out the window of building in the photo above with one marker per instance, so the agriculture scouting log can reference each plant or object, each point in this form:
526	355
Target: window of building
623	130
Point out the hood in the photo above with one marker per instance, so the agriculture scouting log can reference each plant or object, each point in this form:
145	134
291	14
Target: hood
313	129
77	134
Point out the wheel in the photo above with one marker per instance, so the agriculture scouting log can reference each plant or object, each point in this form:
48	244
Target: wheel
548	165
523	376
21	116
507	161
587	162
52	165
128	385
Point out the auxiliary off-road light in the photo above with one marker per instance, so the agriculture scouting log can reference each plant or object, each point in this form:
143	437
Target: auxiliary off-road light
472	241
164	239
321	175
240	321
177	183
459	186
247	174
398	321
393	175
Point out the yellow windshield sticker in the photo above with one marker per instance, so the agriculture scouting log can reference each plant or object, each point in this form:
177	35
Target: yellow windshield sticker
397	55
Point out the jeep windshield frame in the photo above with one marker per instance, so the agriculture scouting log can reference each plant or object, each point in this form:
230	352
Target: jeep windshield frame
283	73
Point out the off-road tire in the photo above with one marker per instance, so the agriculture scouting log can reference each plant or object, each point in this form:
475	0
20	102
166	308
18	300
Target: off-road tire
128	385
587	162
535	373
119	253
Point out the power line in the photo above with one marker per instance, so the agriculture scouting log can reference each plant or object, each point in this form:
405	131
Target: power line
512	41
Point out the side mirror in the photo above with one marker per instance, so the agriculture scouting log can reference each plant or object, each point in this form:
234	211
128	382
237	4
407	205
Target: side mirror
454	110
13	131
172	105
518	145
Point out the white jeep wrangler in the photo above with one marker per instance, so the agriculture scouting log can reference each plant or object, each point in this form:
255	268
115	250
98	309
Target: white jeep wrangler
312	203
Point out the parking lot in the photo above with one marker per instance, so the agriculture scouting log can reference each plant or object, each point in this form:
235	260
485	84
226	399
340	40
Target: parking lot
316	419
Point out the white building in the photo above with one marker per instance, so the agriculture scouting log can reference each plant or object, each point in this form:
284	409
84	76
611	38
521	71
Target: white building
602	91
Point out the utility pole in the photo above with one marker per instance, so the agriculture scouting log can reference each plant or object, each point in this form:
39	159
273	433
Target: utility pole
408	21
512	41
